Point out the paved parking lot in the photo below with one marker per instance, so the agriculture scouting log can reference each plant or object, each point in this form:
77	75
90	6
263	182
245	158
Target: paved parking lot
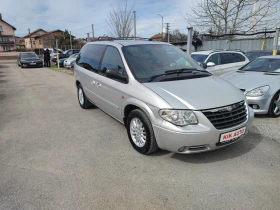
55	155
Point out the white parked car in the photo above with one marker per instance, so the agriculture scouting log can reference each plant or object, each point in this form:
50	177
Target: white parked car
220	62
68	61
54	52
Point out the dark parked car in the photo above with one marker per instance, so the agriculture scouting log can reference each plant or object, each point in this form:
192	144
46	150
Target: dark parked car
254	54
66	54
29	59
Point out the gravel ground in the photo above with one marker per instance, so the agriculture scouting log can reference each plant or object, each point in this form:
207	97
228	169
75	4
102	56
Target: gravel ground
55	155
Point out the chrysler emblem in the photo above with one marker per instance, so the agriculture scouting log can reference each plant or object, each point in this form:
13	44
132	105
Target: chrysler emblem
229	108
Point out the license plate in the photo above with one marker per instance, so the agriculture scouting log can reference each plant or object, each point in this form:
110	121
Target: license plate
233	135
32	63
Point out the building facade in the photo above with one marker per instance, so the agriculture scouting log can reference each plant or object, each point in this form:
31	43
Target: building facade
7	36
29	39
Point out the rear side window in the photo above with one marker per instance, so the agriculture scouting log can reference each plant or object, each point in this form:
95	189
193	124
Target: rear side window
90	56
232	58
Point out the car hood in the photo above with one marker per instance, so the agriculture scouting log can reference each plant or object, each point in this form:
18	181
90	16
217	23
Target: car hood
249	80
70	59
197	94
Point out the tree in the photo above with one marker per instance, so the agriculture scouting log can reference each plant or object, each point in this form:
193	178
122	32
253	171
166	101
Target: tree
177	36
230	16
120	19
64	39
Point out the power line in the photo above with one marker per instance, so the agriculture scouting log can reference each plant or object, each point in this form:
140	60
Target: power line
148	18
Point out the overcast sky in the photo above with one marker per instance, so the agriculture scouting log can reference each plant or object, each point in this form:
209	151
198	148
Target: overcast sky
78	15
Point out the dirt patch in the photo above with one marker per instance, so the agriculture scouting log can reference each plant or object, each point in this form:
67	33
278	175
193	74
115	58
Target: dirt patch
4	66
2	97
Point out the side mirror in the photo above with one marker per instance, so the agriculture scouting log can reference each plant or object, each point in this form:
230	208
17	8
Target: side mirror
211	64
204	65
114	74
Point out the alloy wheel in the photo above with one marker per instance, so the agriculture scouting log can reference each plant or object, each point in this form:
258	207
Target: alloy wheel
276	106
138	132
81	96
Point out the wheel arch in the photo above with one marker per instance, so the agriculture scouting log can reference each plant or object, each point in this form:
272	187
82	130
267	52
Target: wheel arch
132	104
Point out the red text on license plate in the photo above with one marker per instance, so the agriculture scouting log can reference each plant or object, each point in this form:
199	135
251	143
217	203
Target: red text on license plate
232	135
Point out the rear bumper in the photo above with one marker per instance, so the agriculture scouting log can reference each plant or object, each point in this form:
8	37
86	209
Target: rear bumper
201	138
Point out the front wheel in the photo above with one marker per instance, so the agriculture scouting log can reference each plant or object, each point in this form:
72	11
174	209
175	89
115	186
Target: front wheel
83	101
140	132
274	110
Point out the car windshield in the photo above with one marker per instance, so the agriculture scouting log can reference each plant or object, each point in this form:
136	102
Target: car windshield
263	65
254	55
29	55
199	57
149	60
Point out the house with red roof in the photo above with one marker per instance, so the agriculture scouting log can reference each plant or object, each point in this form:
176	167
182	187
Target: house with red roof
7	36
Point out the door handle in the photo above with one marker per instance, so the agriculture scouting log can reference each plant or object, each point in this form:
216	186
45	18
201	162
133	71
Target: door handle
93	82
98	84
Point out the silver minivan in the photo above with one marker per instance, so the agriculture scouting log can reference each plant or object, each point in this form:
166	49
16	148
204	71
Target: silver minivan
163	97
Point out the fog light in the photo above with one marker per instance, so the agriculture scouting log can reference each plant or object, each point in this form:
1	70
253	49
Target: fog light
181	149
255	106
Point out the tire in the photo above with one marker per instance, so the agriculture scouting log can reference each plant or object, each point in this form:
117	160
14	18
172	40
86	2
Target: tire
144	147
272	107
82	99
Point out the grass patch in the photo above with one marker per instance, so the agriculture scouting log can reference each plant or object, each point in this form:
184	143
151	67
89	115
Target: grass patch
64	70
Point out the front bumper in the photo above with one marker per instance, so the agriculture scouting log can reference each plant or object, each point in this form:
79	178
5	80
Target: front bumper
195	138
28	64
263	103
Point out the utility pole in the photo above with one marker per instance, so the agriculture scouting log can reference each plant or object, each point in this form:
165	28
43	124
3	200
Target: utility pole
161	27
134	25
30	39
87	37
71	40
189	43
92	31
57	56
276	40
167	29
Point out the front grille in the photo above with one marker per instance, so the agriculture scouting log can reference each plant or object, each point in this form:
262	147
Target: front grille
228	116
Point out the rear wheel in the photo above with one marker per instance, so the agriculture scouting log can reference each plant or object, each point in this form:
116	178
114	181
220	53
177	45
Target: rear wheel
83	101
140	132
274	110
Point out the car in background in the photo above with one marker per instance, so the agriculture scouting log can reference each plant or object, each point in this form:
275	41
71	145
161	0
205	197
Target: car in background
252	55
54	52
260	82
67	62
219	61
29	59
66	54
164	98
61	62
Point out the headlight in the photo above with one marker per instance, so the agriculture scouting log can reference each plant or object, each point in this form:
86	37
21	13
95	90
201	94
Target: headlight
178	117
258	91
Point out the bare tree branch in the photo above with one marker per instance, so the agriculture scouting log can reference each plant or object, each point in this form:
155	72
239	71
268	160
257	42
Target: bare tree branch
230	16
120	19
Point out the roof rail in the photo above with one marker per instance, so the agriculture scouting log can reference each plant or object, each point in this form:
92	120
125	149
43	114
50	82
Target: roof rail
123	38
220	50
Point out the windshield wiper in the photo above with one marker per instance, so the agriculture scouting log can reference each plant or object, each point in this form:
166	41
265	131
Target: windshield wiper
176	71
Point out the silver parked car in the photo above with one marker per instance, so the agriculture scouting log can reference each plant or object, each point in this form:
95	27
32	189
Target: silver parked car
67	62
163	97
260	82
